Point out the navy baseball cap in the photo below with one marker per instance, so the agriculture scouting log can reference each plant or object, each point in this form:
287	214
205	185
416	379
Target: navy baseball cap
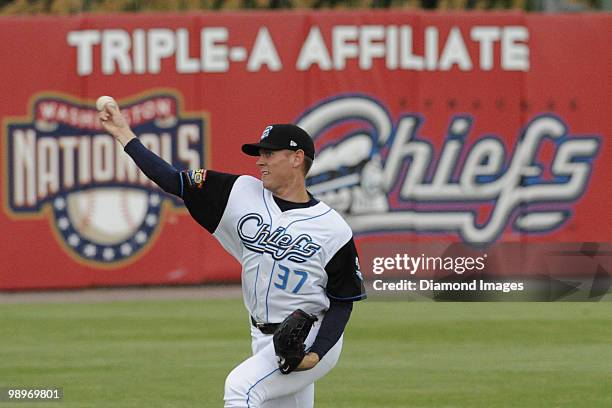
281	137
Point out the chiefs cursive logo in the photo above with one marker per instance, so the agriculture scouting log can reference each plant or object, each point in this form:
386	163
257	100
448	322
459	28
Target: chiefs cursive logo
379	171
256	236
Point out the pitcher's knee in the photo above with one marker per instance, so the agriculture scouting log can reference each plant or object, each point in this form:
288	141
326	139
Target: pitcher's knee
239	394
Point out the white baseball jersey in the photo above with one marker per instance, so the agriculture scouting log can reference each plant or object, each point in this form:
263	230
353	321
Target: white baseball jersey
290	259
293	255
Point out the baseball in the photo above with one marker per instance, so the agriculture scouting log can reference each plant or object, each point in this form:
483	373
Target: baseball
107	215
103	100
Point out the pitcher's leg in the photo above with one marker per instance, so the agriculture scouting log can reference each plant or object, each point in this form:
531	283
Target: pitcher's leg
258	379
301	399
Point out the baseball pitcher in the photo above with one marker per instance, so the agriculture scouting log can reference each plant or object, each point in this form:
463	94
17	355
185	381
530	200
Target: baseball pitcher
300	269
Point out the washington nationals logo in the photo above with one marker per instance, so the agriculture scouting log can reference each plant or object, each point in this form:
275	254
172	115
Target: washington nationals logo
258	237
62	164
378	171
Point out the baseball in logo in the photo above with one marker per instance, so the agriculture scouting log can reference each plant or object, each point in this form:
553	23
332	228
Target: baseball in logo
62	165
375	172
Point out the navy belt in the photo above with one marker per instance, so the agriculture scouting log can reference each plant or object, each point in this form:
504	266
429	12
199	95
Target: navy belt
265	328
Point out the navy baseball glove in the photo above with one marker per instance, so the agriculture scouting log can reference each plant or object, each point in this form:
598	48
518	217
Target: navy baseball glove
289	340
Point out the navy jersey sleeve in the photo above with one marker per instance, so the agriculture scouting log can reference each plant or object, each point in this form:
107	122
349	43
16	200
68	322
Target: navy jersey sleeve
332	327
205	193
345	282
156	168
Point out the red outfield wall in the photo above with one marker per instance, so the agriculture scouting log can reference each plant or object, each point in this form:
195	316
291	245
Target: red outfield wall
489	129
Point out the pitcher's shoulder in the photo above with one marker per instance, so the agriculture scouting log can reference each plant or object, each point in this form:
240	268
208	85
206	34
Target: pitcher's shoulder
336	218
246	181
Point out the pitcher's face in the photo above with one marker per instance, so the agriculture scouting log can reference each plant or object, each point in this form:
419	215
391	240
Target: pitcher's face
276	167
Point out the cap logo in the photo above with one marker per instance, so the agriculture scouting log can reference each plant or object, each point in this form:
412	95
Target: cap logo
292	144
265	132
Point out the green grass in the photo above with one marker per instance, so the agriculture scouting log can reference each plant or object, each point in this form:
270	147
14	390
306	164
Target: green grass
396	354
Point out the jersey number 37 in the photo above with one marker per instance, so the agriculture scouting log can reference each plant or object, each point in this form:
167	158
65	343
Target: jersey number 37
287	275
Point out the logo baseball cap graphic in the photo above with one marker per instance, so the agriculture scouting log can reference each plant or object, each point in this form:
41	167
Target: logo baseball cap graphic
281	137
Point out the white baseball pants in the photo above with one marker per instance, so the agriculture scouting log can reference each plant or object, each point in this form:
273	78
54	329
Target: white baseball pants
257	382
